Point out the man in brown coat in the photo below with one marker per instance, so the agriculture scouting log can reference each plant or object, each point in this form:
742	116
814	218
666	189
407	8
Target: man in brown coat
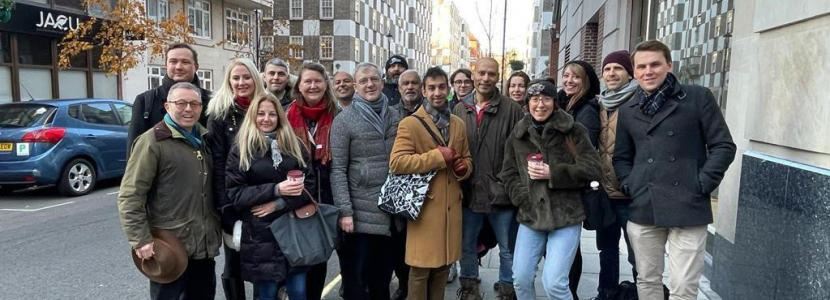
433	241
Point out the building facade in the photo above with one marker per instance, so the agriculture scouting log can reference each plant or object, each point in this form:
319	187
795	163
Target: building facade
448	50
540	41
29	55
222	30
341	34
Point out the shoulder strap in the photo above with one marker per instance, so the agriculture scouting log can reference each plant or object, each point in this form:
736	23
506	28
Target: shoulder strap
148	103
431	133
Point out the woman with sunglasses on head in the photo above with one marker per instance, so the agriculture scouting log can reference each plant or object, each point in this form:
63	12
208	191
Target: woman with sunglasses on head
262	186
226	111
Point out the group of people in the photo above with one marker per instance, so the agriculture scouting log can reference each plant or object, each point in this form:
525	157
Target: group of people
215	171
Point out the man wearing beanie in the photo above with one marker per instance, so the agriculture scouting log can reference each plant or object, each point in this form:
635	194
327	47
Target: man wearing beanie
672	149
395	66
620	86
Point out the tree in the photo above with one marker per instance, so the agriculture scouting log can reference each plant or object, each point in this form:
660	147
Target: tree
124	33
517	65
488	28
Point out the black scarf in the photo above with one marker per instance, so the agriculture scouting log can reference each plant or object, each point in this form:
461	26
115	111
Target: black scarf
650	104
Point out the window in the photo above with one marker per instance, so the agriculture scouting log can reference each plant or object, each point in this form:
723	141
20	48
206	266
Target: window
198	17
295	7
357	11
95	113
237	27
266	43
717	26
157	10
72	84
714	62
729	21
326	47
205	79
125	112
357	56
296	41
34	50
154	76
326	9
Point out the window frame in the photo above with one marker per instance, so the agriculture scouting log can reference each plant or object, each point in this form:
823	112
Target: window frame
323	8
162	10
204	81
125	120
294	12
292	41
327	47
115	115
234	20
162	71
192	10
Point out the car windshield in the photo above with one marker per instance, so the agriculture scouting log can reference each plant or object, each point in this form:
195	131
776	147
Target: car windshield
24	115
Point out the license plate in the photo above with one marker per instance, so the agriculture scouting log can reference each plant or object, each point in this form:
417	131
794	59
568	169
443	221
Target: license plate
6	146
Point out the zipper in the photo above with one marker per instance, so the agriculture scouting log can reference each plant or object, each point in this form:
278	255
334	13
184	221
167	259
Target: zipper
203	173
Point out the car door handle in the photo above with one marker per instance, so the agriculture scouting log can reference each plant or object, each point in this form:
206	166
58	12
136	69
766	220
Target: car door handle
90	136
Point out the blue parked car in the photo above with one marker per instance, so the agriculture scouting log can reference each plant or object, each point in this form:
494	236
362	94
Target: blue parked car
68	143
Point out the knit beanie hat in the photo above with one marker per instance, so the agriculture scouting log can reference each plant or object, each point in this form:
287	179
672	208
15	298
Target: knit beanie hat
621	57
396	59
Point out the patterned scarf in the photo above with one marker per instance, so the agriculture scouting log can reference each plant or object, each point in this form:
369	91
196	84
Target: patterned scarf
276	155
369	111
441	117
649	104
299	113
192	137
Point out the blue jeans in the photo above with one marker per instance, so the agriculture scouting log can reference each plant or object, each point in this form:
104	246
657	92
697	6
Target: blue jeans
294	287
471	225
608	243
560	246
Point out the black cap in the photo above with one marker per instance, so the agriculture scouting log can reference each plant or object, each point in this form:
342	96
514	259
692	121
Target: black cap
396	59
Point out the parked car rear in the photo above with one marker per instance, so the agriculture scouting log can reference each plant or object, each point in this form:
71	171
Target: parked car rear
69	143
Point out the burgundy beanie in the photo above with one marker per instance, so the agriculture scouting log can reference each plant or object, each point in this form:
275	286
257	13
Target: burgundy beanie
621	57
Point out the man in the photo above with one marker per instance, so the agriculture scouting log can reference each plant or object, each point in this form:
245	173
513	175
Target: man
181	62
462	86
672	149
361	140
343	89
167	185
618	76
489	122
409	87
395	66
276	80
433	241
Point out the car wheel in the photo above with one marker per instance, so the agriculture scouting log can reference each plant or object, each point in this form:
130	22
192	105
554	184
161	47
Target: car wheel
77	178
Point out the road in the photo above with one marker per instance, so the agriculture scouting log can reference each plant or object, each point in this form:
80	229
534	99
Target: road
52	247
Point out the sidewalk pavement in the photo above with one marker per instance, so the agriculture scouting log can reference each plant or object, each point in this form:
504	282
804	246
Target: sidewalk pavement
489	272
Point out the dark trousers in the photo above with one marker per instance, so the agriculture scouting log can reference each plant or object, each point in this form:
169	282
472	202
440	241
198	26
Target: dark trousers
197	283
232	282
399	260
608	243
372	267
316	281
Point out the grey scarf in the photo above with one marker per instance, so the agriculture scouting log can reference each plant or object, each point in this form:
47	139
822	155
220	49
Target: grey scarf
613	99
276	155
441	117
469	99
373	112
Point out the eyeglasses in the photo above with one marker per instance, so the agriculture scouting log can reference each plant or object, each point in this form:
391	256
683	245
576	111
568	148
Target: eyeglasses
462	82
364	81
181	105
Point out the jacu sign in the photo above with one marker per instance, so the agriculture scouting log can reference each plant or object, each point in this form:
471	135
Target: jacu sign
35	20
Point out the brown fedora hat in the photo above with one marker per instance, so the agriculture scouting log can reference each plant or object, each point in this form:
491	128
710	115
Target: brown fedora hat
169	261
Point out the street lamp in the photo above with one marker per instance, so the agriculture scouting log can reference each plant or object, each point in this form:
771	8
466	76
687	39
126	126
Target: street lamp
389	39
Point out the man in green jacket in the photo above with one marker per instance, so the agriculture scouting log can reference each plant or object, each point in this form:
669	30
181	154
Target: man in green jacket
167	186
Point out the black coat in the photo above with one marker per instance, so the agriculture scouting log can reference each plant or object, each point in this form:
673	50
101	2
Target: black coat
392	93
669	164
585	112
220	137
156	97
260	254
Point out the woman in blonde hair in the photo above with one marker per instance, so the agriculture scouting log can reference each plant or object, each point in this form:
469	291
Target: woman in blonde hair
257	171
226	111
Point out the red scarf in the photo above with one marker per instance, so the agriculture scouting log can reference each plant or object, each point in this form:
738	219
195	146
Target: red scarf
243	102
297	115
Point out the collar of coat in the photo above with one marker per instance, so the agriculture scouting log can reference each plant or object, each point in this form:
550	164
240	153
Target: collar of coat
492	104
676	93
560	121
162	131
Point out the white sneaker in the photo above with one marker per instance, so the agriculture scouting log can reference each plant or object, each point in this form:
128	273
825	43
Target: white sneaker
453	273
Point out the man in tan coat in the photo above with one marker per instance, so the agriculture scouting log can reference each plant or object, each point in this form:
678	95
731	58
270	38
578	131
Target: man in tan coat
433	241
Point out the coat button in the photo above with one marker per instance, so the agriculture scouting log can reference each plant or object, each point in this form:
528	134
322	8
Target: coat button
651	184
671	158
650	160
671	133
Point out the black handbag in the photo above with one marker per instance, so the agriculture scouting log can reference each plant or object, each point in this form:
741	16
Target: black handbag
598	212
307	236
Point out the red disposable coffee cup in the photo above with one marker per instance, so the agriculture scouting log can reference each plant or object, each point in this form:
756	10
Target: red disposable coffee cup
296	175
534	158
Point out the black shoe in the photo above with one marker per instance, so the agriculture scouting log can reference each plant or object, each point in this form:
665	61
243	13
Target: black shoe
400	294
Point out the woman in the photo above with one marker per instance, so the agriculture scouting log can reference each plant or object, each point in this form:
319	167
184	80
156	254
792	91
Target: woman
578	97
266	150
516	87
462	86
310	116
548	192
226	111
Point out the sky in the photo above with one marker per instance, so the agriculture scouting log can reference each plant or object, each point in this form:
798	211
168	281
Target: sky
519	19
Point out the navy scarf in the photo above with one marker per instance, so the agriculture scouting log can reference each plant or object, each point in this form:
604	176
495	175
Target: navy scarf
649	104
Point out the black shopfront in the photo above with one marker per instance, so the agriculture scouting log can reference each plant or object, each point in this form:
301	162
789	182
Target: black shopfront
29	47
